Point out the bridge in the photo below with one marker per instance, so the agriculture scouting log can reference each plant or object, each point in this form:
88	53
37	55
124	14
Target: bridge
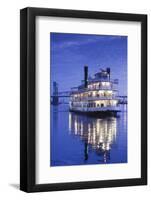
55	97
122	99
62	94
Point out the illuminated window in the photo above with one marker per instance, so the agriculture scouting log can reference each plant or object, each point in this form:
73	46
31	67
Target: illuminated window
109	92
106	83
94	93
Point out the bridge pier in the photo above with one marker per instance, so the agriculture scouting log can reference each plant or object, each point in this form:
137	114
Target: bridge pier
55	98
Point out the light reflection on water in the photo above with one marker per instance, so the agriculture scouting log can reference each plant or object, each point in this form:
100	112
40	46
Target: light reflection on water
80	139
100	134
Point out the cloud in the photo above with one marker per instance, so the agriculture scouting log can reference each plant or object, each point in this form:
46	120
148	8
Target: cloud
84	40
72	43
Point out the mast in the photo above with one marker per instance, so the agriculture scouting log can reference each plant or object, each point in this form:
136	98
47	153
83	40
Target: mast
85	76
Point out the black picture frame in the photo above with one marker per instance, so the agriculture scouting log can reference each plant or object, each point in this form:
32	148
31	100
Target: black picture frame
28	99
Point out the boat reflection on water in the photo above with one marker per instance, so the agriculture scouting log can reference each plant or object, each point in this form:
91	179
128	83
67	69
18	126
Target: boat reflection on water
83	140
97	135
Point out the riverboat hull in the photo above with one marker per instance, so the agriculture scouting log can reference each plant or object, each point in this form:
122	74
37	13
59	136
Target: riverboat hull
97	113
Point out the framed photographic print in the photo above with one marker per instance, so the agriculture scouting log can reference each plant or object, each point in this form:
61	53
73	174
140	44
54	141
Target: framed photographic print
83	99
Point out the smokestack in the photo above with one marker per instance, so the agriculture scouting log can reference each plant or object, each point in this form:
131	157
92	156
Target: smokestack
108	71
85	76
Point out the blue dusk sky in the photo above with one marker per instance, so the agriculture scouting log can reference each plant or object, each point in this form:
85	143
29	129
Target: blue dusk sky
70	52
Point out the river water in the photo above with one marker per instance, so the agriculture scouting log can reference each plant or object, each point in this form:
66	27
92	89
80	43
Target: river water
80	140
